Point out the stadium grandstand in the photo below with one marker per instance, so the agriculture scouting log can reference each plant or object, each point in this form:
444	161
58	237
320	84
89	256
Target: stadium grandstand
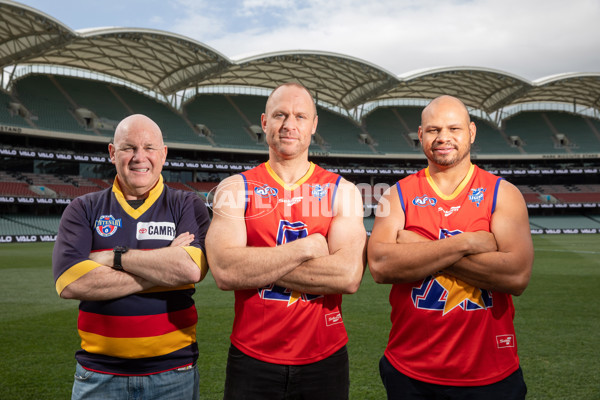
63	92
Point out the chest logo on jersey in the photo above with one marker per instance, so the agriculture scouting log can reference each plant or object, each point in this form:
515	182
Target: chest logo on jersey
155	231
476	195
265	191
424	201
445	293
273	292
442	292
447	213
319	191
107	225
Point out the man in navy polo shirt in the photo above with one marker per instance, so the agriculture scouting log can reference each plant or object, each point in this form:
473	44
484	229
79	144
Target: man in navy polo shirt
131	254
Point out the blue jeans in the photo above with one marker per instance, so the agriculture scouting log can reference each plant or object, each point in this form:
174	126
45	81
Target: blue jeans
171	385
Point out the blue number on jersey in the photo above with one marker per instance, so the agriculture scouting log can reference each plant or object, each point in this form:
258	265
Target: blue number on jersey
290	231
287	232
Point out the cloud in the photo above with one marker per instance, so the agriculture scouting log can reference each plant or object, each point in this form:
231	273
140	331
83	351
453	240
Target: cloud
532	38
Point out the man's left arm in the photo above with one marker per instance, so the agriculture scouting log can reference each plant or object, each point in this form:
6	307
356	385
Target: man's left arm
507	270
181	263
341	271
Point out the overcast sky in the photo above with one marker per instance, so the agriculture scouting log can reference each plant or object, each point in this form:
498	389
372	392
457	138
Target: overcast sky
529	38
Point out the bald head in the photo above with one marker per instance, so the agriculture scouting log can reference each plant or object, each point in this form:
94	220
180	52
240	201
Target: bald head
137	122
275	93
443	103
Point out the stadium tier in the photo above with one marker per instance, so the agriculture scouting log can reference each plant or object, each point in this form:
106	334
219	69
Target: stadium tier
554	132
226	125
23	224
393	131
49	108
221	121
564	222
339	134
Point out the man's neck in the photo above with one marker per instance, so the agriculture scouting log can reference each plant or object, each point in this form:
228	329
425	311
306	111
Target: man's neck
448	179
290	171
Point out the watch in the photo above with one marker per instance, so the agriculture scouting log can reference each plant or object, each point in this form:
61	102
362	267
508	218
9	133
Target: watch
119	250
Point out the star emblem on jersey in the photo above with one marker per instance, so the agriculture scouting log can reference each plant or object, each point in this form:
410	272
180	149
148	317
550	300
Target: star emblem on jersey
458	293
445	293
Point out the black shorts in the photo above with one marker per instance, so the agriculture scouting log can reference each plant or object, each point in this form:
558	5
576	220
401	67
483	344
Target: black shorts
249	378
401	387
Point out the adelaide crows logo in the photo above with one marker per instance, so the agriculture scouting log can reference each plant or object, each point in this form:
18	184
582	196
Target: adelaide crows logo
107	225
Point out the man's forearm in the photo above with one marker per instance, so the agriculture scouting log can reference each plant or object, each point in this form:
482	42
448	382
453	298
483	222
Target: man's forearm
336	273
105	283
496	271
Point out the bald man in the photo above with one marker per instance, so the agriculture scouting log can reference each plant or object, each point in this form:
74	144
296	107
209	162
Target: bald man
289	249
454	242
131	254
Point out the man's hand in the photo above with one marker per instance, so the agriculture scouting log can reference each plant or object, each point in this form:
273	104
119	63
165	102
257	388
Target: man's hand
105	257
182	240
405	236
318	245
480	242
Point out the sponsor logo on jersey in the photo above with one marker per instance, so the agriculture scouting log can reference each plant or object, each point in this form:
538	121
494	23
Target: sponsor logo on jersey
333	318
319	191
265	191
290	202
476	195
504	341
155	231
107	225
447	213
424	201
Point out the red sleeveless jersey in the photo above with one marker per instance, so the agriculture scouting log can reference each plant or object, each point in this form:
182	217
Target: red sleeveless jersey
445	331
276	324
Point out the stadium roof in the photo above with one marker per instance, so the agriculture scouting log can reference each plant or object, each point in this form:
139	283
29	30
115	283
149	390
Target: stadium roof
167	63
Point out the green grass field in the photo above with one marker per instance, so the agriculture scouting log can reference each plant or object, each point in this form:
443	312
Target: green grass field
557	321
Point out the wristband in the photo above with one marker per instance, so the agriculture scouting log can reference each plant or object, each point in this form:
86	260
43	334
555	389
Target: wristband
119	251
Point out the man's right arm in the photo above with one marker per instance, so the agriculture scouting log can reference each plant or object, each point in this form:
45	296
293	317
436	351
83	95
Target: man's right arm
398	256
233	264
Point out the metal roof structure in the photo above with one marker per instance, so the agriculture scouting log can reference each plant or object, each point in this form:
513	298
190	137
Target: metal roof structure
166	63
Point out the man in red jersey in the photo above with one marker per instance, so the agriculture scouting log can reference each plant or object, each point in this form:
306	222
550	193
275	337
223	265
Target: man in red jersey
454	242
288	237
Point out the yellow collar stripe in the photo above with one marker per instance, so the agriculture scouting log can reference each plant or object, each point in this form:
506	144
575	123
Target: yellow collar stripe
457	191
135	213
295	185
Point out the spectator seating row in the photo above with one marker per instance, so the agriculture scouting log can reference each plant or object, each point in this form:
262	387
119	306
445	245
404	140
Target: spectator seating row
22	224
230	119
